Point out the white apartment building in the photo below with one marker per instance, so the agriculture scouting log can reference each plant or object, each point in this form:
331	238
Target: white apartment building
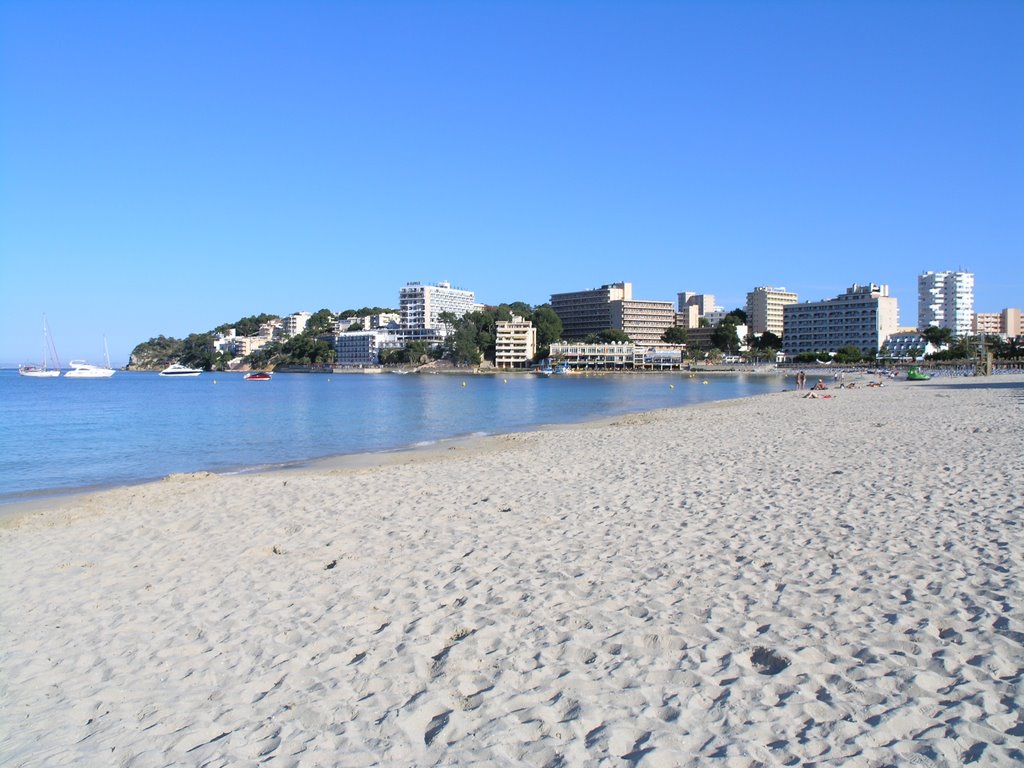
946	300
421	305
643	321
515	342
295	323
863	317
765	307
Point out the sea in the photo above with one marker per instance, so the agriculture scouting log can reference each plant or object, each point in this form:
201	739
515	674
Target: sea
60	436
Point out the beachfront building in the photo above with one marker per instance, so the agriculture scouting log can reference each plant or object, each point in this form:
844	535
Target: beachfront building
764	309
645	322
906	345
422	304
600	356
692	307
515	342
863	317
587	312
946	300
363	348
1010	323
295	323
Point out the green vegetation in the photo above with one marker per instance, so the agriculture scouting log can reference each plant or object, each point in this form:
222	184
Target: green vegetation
675	335
608	336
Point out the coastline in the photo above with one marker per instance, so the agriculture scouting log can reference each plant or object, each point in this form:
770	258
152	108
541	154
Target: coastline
811	580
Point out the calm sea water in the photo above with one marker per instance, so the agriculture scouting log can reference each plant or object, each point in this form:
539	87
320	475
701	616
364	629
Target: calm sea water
61	435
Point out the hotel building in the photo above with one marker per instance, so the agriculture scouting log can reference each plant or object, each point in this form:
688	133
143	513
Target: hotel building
422	304
643	321
863	317
515	342
765	306
946	300
585	312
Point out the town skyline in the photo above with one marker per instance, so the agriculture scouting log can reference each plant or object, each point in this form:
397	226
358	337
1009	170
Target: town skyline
169	168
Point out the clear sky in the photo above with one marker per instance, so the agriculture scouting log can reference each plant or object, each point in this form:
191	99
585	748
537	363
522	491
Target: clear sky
169	166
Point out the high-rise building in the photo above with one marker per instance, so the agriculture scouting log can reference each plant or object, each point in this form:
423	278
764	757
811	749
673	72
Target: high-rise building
585	312
422	304
645	322
863	317
764	309
946	300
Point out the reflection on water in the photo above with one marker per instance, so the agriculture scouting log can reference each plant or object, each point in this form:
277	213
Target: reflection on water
61	434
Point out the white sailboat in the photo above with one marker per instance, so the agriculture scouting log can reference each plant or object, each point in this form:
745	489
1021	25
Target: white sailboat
83	370
44	371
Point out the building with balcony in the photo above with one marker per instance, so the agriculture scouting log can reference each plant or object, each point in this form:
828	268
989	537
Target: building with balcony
422	304
863	317
764	309
295	323
643	321
946	300
515	343
587	312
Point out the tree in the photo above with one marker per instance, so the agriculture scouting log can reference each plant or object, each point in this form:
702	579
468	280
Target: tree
548	325
937	337
608	336
198	351
736	317
766	340
848	354
674	335
725	338
321	322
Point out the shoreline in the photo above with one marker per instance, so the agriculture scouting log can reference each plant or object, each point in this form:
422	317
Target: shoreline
756	581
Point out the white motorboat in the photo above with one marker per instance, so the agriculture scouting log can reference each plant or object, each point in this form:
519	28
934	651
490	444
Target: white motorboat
177	370
44	371
83	370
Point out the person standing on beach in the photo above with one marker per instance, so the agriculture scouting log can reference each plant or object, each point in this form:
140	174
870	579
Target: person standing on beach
801	379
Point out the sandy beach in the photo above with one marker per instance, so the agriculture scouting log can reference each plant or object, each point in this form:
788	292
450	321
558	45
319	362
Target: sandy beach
761	582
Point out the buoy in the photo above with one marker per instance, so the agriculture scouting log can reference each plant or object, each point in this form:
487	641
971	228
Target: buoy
463	383
671	386
504	381
704	382
214	381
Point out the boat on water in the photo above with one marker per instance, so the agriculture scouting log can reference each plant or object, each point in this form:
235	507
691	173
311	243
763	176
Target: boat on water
916	374
50	367
257	376
83	370
177	370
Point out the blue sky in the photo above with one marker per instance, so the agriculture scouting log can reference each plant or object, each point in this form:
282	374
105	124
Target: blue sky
166	167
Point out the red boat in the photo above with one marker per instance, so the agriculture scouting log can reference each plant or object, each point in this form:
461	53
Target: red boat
257	376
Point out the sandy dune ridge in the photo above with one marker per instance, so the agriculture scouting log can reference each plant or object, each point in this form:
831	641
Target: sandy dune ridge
770	581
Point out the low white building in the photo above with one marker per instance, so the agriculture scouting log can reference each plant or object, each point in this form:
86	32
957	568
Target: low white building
906	345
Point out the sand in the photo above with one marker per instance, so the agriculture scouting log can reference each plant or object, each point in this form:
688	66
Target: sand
771	581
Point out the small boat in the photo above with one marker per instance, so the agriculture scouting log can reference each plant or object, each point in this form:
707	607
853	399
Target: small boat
83	370
562	369
178	370
257	376
42	371
916	374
